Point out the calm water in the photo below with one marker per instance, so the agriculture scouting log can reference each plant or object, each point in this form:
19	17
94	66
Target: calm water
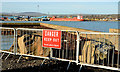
6	41
89	25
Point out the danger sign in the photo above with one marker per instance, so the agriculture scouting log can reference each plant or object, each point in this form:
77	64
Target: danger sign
51	38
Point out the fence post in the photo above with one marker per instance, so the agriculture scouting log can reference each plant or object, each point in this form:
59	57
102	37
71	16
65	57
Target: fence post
51	53
14	41
77	50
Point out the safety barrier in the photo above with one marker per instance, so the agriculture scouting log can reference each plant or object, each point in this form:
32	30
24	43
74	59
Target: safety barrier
29	43
100	50
68	47
7	41
84	48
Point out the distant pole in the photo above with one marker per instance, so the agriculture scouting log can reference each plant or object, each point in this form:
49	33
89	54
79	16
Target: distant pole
38	7
48	13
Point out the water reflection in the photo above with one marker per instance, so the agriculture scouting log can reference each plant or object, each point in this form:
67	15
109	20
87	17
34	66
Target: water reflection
6	41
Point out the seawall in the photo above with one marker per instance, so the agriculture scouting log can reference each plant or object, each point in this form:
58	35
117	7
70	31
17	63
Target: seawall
58	27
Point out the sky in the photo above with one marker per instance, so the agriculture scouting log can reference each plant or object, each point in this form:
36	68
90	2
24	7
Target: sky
59	0
63	7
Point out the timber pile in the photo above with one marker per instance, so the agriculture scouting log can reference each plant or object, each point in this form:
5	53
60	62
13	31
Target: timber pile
94	50
31	44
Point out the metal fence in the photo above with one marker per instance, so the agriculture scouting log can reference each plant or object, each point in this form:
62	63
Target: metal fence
84	48
7	41
100	50
68	51
29	43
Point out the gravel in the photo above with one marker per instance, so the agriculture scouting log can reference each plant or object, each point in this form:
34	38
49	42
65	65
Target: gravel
34	65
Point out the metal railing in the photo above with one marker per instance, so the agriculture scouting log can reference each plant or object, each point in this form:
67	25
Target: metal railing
84	48
68	51
100	50
29	43
7	41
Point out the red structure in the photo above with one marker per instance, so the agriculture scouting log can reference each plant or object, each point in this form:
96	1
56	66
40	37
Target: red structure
67	19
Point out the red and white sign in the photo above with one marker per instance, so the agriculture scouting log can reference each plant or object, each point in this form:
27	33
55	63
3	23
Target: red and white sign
51	39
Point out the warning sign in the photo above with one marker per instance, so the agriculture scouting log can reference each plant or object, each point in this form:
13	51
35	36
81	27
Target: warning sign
51	39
